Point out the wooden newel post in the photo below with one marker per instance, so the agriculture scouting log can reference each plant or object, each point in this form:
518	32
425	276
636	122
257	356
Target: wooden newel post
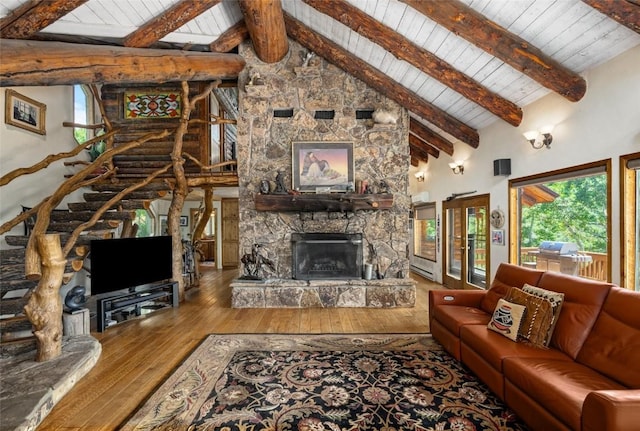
44	308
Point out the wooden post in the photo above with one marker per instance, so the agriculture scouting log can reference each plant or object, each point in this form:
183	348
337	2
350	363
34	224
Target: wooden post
44	308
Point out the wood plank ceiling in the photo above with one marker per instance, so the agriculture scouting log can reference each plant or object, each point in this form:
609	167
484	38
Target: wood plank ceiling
457	66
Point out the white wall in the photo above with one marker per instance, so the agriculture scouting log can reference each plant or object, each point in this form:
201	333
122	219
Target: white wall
20	148
605	124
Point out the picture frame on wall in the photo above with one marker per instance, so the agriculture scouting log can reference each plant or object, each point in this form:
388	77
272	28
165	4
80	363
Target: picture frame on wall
184	221
325	166
497	236
163	225
24	112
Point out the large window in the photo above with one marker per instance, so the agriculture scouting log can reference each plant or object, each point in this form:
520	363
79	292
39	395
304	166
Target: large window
424	231
560	221
630	221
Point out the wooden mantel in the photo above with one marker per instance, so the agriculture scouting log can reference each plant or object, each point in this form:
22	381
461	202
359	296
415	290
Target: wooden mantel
335	202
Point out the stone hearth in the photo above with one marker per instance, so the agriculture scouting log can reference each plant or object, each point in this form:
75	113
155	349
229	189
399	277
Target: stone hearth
280	293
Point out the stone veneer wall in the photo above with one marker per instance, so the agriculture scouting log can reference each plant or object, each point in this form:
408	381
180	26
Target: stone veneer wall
381	152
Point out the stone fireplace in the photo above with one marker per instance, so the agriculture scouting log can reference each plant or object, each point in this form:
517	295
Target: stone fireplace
380	157
326	256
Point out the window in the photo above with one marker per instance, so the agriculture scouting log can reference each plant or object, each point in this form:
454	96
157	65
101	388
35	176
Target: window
144	221
83	115
630	221
82	112
560	221
424	231
224	107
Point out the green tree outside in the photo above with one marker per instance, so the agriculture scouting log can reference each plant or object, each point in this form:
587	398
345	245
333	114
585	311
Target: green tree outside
578	214
145	226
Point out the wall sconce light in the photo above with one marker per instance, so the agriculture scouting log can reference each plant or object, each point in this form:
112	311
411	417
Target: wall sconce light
533	135
420	176
457	167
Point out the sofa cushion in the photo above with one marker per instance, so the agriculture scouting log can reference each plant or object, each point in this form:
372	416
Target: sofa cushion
555	299
507	276
493	348
453	317
613	345
559	386
538	321
583	300
507	318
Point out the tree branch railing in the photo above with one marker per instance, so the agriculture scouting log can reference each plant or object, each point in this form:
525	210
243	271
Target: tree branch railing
45	258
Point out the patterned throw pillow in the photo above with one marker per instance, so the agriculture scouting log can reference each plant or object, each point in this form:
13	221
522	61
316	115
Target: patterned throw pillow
507	318
539	319
555	298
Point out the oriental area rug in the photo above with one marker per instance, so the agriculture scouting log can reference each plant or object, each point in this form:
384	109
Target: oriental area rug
381	382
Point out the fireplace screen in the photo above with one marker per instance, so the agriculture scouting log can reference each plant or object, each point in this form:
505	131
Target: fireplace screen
326	256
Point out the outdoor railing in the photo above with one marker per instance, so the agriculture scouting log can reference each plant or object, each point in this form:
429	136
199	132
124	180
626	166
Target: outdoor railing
594	270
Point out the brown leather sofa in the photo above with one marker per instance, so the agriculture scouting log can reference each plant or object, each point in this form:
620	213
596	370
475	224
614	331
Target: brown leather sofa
589	377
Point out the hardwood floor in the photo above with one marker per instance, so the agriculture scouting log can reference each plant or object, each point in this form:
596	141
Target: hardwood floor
140	354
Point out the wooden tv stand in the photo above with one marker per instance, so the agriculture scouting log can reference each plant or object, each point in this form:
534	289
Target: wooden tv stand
134	300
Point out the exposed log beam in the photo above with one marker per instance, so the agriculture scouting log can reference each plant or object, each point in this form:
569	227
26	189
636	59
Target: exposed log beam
266	26
54	63
513	50
626	12
171	20
418	154
379	81
406	50
416	142
33	16
415	161
230	38
430	137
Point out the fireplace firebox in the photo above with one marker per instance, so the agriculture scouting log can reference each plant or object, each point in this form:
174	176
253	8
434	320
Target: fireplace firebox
318	256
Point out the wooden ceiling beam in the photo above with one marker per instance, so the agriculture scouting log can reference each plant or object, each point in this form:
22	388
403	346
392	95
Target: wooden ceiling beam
497	41
26	62
33	16
376	79
167	22
404	49
265	21
423	146
231	38
415	161
418	153
430	137
626	12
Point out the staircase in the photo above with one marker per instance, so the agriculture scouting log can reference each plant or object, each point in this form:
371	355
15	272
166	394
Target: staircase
15	329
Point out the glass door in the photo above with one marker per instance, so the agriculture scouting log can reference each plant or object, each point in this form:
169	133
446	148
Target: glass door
466	249
454	248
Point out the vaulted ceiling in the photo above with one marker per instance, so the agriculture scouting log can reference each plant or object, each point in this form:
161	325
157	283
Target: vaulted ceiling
457	66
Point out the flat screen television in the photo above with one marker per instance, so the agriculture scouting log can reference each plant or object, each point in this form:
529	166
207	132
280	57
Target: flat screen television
127	263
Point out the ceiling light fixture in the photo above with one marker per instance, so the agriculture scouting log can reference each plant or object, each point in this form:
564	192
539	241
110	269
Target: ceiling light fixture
420	176
546	138
457	167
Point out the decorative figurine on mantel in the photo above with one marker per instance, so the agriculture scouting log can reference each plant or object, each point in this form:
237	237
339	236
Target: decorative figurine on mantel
281	189
254	263
265	187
